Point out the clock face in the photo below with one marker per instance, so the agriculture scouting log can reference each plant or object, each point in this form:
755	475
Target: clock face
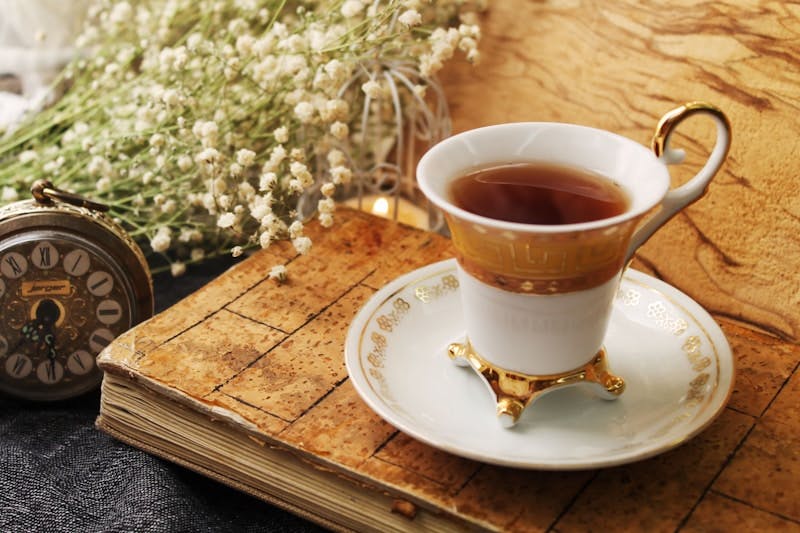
63	300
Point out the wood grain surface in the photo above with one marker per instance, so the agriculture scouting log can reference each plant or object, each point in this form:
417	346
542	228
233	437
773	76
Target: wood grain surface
620	65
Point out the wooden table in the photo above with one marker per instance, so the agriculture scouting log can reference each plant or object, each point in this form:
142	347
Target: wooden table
619	65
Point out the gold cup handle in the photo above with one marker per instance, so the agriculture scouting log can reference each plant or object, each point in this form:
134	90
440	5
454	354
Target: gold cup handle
677	199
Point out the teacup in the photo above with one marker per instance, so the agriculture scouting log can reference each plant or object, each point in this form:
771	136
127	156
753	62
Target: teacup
537	298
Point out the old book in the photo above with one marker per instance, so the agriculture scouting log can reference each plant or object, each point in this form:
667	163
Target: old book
244	381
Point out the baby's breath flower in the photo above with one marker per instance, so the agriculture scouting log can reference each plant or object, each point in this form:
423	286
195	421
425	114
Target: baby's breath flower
336	158
121	13
190	235
169	206
244	44
177	269
237	251
328	189
184	162
304	111
296	229
103	185
372	89
224	201
99	166
267	181
161	240
410	18
302	245
351	8
27	156
281	134
336	71
300	171
341	175
264	240
226	220
340	130
326	205
335	109
207	159
278	273
169	115
171	97
9	194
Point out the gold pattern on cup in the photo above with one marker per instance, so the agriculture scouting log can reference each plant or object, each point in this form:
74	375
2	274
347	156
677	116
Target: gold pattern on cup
541	263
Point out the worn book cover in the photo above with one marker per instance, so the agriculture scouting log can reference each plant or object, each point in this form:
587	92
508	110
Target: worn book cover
245	382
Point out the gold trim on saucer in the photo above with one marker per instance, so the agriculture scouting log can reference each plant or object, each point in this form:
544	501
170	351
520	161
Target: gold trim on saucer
515	391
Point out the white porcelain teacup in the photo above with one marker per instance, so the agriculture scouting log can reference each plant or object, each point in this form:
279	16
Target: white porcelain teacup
537	298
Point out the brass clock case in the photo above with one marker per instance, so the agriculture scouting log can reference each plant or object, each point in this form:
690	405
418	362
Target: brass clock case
71	280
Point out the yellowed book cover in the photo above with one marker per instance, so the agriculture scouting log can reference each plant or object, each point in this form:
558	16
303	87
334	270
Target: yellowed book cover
245	381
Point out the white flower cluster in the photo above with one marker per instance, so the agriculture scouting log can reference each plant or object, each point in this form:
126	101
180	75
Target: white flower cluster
201	122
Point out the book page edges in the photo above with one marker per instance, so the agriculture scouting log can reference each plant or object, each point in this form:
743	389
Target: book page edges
120	360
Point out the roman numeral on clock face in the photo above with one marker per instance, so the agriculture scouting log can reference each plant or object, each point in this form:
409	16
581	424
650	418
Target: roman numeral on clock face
13	265
109	312
80	362
100	283
44	255
99	339
49	372
18	366
77	263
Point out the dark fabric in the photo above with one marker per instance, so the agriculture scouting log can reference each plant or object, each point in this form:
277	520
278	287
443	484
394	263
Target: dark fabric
59	473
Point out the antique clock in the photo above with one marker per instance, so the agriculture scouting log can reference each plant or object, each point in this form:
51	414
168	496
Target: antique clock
71	280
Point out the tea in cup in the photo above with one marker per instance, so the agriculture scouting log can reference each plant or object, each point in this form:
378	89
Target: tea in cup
544	218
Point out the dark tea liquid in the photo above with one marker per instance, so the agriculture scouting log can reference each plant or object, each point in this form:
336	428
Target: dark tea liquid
538	193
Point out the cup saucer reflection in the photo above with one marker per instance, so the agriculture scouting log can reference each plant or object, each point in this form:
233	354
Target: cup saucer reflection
677	365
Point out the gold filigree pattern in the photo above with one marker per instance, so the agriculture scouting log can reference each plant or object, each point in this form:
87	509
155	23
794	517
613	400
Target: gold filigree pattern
629	297
698	388
377	355
663	319
389	321
376	359
541	263
692	349
429	293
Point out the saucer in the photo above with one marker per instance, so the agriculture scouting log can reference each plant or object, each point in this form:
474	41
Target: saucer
676	362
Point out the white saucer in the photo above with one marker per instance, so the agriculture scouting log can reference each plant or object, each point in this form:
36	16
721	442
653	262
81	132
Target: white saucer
674	358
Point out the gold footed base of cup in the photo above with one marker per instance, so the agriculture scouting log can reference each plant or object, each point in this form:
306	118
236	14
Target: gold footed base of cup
515	391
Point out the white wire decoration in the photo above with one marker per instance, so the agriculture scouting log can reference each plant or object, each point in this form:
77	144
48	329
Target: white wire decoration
394	131
392	139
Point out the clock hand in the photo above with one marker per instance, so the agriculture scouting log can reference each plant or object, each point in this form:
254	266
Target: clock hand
38	329
48	314
50	344
28	333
